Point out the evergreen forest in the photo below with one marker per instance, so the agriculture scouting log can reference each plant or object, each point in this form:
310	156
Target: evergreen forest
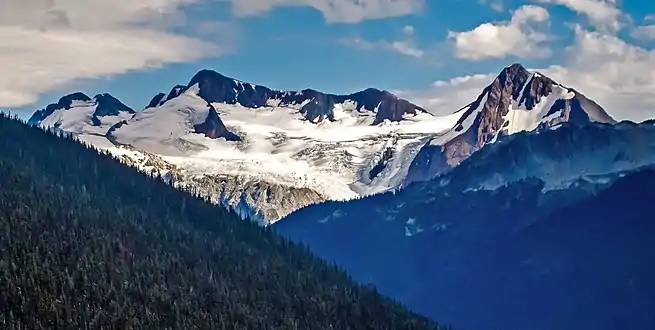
87	242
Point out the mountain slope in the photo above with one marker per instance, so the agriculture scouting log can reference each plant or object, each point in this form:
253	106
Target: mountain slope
518	257
447	234
265	153
89	242
517	100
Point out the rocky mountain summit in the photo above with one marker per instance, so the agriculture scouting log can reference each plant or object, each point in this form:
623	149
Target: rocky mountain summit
314	105
517	100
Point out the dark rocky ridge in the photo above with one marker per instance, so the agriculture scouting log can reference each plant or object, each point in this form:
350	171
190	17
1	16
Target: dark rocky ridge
317	106
213	127
508	87
156	100
108	106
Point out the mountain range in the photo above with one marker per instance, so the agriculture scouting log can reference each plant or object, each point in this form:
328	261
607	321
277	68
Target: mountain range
504	214
265	153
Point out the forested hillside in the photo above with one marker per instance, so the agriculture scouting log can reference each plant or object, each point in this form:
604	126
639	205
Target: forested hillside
88	243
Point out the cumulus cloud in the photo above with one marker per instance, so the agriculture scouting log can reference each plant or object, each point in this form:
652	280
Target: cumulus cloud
602	14
618	75
523	36
47	44
343	11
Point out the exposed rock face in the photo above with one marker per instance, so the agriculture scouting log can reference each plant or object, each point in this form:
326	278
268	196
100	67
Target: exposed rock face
314	105
488	118
213	127
252	198
156	100
109	105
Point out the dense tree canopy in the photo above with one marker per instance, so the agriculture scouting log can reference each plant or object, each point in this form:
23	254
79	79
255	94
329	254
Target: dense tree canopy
87	243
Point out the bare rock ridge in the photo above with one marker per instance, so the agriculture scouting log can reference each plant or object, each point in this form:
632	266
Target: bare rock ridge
515	94
314	105
213	127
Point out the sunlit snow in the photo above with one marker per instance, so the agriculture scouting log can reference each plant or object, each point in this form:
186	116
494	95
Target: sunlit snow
279	145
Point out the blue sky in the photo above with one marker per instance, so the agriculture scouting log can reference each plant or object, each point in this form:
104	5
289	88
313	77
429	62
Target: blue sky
406	48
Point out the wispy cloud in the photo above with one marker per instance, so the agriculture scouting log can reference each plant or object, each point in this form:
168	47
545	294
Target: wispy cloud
405	46
343	11
47	44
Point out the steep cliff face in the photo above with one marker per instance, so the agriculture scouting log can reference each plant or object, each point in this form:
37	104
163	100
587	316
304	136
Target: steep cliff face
250	197
214	128
517	100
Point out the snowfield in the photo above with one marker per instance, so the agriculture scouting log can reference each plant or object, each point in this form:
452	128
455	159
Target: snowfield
279	145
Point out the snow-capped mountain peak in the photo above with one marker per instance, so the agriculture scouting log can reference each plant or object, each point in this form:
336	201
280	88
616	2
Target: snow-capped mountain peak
315	106
80	114
516	100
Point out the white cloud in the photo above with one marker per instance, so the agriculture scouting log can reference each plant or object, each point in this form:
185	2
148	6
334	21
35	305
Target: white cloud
343	11
409	30
47	44
644	32
496	5
406	46
522	37
602	14
447	96
617	75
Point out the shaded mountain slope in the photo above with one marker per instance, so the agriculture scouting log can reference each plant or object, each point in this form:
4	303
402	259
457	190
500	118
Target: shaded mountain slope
89	242
516	257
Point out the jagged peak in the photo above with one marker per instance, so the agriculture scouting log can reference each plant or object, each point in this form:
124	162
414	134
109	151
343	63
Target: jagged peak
108	105
66	100
515	67
156	100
